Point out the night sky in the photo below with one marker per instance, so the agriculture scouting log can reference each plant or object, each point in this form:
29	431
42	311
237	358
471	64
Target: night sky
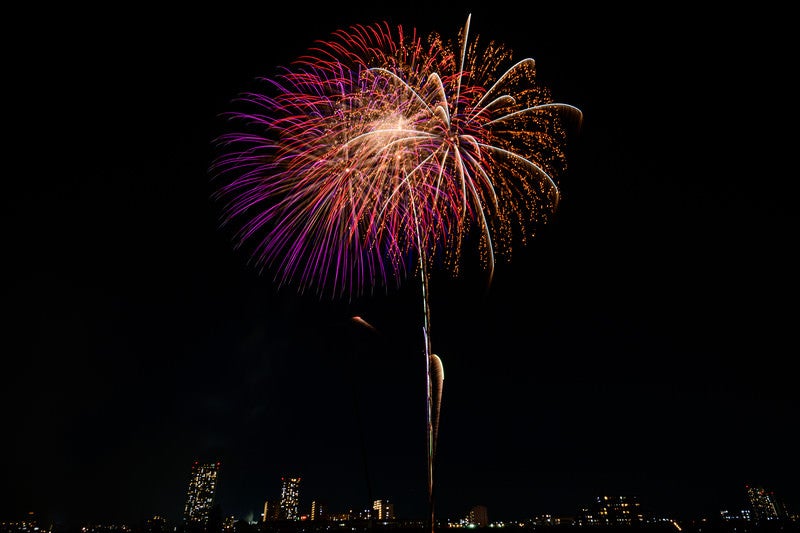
642	344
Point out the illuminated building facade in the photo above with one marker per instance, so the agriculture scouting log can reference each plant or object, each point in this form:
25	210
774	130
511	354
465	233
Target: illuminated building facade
229	524
612	511
271	511
201	494
156	524
764	504
384	509
290	498
478	516
318	510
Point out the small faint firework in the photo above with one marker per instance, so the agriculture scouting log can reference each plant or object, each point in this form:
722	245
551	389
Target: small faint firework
381	153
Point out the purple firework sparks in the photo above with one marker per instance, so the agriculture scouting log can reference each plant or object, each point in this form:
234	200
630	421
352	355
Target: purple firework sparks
379	150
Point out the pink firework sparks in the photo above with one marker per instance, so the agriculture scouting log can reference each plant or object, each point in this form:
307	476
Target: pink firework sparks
379	150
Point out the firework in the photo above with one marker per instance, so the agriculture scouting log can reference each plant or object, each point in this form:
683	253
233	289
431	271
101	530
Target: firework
381	152
380	147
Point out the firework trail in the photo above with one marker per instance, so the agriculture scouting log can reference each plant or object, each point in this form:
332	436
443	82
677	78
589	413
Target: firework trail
361	321
382	153
437	382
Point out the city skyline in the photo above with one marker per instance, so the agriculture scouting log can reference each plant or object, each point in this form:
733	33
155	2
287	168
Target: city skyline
762	505
756	502
640	343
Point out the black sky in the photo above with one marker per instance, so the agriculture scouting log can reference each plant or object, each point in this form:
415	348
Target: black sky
643	344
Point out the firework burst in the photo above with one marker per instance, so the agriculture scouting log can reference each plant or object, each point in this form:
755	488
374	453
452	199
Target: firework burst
380	151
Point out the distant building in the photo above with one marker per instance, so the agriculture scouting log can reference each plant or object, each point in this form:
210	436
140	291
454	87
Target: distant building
319	510
271	512
156	524
764	504
201	494
612	511
478	516
339	517
28	524
290	498
383	509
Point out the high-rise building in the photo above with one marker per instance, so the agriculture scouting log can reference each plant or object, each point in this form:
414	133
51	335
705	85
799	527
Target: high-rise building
290	498
271	511
764	504
478	516
201	494
319	511
384	509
